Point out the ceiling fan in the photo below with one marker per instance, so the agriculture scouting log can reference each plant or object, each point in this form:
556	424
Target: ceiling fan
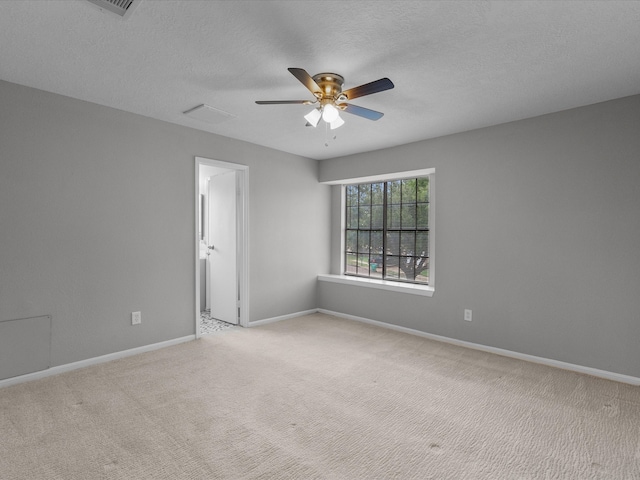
330	99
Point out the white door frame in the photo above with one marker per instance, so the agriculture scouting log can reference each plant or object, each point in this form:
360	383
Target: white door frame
242	219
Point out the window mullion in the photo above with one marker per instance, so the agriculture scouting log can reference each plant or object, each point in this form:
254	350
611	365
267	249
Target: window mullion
415	233
370	228
347	206
384	231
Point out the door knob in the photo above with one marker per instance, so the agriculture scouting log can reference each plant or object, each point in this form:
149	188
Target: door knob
210	247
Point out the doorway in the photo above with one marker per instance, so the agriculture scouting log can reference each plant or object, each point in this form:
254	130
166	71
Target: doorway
221	240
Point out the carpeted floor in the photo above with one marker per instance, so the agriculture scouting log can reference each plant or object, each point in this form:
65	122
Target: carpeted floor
318	397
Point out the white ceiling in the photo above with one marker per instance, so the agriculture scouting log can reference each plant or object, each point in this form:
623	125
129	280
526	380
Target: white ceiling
456	65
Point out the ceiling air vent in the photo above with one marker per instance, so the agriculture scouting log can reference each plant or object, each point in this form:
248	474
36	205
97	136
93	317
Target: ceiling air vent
122	8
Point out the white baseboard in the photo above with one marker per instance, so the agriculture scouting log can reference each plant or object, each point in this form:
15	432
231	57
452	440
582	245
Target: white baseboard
92	361
257	323
616	377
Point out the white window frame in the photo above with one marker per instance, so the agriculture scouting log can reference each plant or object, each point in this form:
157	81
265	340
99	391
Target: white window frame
410	288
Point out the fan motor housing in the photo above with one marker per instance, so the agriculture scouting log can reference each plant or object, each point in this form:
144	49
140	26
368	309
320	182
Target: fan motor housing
330	83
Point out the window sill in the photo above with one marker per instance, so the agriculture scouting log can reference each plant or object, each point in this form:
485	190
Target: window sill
410	288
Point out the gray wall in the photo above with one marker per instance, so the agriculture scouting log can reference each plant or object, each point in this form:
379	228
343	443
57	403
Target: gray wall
97	220
538	227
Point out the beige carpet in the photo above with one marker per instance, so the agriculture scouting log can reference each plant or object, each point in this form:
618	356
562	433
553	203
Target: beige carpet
319	397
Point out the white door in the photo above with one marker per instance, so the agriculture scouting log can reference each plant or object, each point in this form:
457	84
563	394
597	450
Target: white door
223	276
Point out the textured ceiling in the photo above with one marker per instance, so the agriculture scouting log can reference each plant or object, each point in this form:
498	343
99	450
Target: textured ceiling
456	65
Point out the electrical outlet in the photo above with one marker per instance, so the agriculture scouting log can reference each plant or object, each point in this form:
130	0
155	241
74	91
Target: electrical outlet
136	318
467	315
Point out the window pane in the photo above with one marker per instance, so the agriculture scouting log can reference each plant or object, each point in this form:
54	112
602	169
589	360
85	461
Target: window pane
363	265
352	261
364	193
409	191
422	244
423	190
364	213
407	266
377	216
351	241
363	243
376	245
423	215
393	273
393	243
394	188
374	271
422	270
352	217
409	216
377	193
352	195
407	243
393	216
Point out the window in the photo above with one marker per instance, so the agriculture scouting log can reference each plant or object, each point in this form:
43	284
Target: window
387	230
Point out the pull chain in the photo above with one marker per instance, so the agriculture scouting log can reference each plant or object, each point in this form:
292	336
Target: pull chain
326	135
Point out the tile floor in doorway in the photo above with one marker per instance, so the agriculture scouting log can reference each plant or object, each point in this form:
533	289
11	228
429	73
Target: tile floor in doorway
209	324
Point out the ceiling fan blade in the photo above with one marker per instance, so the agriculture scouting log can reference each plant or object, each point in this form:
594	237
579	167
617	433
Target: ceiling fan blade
284	102
361	111
368	88
306	80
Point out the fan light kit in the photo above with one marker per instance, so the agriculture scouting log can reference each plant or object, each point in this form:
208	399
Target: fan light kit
330	99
